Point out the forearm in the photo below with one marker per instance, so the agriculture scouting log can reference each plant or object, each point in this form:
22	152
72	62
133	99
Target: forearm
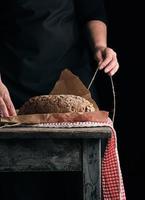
105	56
98	33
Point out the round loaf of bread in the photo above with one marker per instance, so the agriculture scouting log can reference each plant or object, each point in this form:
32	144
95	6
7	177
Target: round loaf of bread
56	104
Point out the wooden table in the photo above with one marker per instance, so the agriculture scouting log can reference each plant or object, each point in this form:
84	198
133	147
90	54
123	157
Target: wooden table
55	149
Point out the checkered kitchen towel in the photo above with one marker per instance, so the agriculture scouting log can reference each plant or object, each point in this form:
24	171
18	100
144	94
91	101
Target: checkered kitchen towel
112	181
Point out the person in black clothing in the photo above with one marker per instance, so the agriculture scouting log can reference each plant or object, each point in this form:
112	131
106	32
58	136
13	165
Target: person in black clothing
38	39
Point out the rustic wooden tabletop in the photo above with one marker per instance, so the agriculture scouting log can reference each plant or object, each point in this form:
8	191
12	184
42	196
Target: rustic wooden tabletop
35	132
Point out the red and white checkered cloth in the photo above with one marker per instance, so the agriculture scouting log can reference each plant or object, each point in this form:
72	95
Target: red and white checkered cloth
112	181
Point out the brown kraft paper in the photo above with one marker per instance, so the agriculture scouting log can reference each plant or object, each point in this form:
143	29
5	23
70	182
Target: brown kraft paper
68	83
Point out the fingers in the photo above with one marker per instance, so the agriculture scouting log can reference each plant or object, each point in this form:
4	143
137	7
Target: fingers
6	106
110	62
109	54
113	64
114	70
9	105
3	108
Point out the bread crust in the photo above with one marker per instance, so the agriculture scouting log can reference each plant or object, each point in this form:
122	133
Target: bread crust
56	104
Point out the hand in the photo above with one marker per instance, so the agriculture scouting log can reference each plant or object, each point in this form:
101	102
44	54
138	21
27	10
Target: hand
6	106
107	60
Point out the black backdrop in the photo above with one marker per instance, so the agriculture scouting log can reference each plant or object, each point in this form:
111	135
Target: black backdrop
125	35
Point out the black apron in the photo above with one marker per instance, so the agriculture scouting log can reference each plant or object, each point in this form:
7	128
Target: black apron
39	38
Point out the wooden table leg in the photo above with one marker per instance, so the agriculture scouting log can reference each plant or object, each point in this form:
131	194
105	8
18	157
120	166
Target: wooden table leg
91	169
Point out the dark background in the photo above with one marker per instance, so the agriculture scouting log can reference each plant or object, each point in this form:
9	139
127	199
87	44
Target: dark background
125	35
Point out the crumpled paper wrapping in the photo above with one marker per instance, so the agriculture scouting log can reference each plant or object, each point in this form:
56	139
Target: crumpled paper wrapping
98	116
68	83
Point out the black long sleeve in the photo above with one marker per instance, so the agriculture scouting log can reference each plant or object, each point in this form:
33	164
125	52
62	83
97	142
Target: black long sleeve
91	10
